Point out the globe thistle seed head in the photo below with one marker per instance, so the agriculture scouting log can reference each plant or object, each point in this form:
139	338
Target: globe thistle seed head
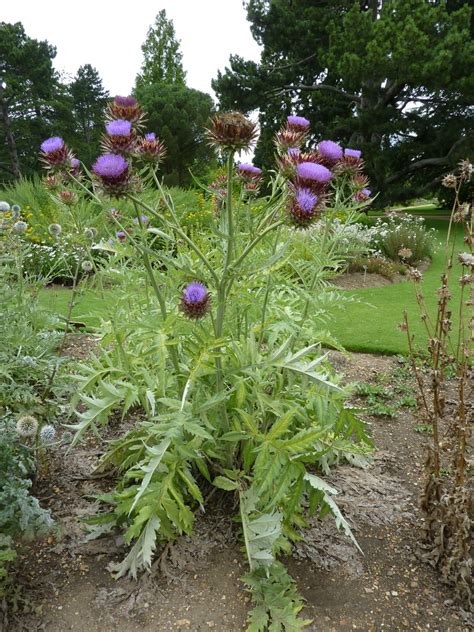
67	197
4	207
312	175
121	235
298	123
125	108
54	153
87	266
113	174
47	434
449	181
195	301
303	207
55	230
90	233
150	148
16	210
27	426
20	227
231	131
330	152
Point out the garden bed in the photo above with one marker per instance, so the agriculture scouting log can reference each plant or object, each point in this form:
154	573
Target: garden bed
195	584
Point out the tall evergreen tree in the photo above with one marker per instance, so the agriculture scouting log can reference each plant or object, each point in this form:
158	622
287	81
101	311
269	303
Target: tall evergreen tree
27	99
88	102
392	77
162	59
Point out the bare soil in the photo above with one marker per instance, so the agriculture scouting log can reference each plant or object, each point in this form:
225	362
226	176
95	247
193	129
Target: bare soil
194	585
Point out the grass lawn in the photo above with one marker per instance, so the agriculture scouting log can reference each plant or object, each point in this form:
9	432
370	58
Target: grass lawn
370	325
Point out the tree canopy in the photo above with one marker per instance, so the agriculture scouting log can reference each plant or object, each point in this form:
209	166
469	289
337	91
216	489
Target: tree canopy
178	115
162	58
390	77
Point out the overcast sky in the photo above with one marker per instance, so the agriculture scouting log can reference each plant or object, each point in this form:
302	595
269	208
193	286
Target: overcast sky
109	37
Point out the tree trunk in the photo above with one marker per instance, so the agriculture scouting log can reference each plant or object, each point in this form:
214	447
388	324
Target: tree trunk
10	141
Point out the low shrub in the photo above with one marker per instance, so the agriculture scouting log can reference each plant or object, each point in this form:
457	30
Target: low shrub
403	238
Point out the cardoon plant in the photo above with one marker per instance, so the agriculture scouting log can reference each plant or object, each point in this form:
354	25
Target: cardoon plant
244	400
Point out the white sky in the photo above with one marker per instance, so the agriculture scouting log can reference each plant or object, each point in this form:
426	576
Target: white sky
108	35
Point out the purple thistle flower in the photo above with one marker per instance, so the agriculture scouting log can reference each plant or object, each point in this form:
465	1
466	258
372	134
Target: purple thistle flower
303	208
75	163
298	123
362	196
119	128
195	301
249	170
294	152
367	192
121	235
306	200
110	166
112	169
51	145
330	150
352	153
144	220
127	102
150	136
313	172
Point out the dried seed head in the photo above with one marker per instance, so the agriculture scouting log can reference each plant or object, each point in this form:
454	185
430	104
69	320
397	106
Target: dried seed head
27	426
232	131
449	181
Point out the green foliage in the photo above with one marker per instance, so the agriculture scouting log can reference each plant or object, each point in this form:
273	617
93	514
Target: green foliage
406	232
378	265
162	59
20	513
392	78
390	393
178	115
88	101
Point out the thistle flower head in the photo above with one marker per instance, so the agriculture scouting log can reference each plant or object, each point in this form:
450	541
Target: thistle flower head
87	266
67	197
303	207
27	426
449	181
121	235
465	169
119	127
313	173
55	230
298	123
150	148
248	170
125	108
20	227
195	301
144	220
466	259
352	153
4	207
113	173
55	153
232	131
47	434
330	151
294	152
363	195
